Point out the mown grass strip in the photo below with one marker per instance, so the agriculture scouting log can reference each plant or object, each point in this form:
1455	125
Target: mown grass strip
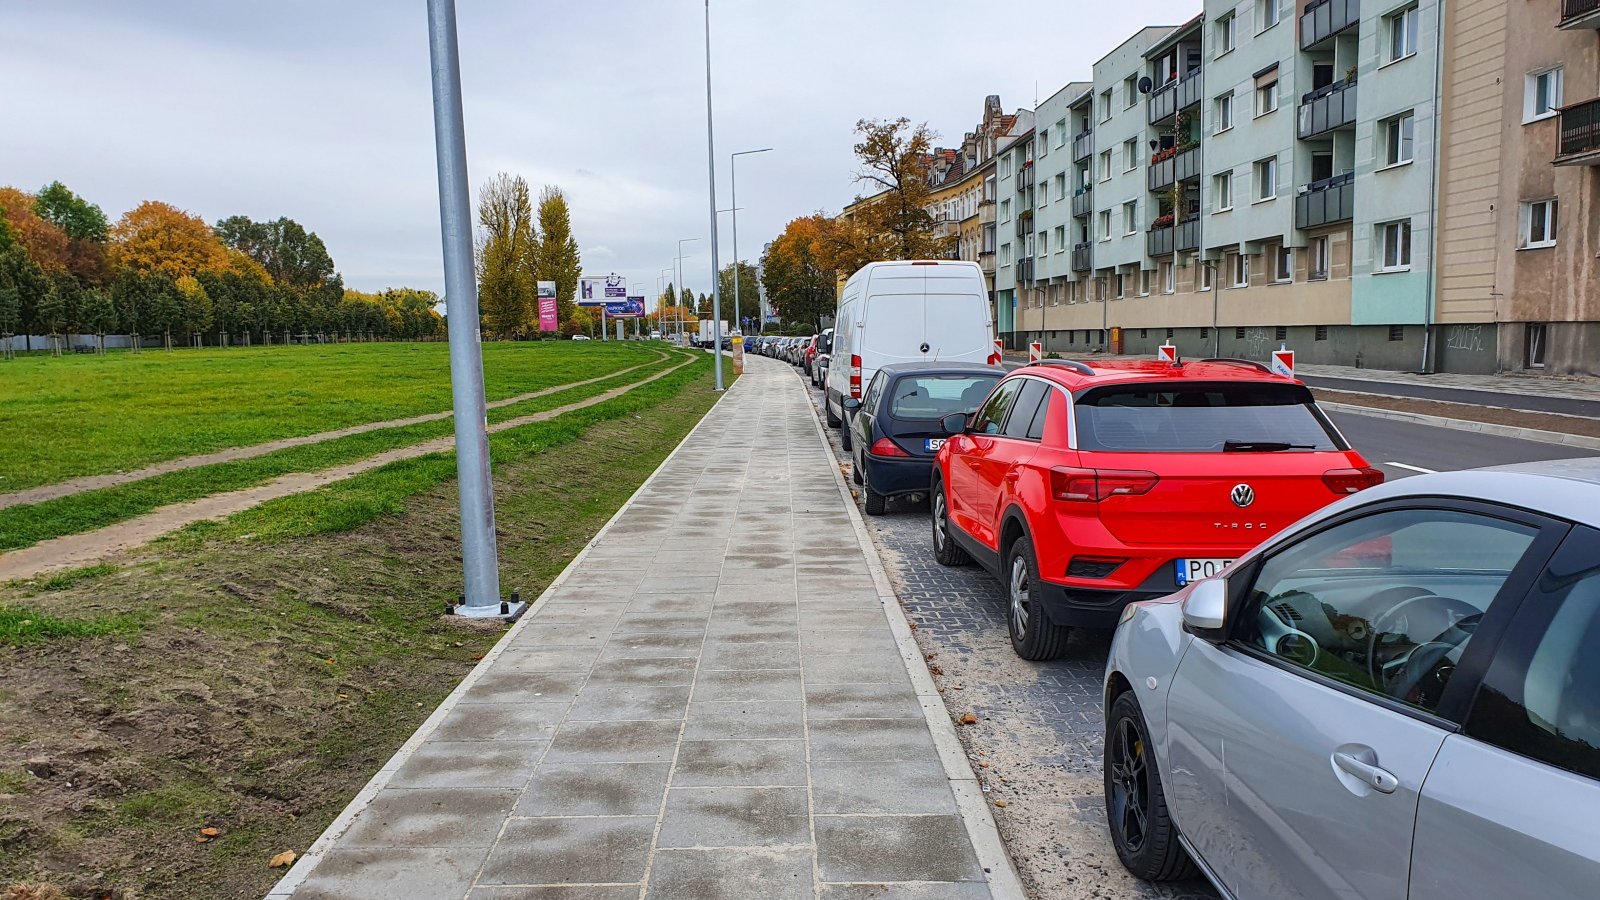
24	526
20	626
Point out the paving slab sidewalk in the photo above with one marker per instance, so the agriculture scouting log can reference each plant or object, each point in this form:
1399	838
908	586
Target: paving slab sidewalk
718	699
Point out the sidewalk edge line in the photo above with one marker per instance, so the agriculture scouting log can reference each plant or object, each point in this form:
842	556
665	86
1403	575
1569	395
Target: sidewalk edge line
1508	431
1003	881
307	862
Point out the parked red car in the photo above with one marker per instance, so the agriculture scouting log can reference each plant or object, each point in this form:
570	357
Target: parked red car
1086	487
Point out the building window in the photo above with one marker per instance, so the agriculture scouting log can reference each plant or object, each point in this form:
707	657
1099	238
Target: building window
1105	105
1144	282
1044	242
1267	98
1397	139
1267	14
1005	166
1281	333
1005	210
1061	238
1283	270
1319	258
1105	165
1397	332
1170	281
1144	333
1130	91
1130	154
1118	285
1208	273
1224	113
1105	224
1541	99
1534	337
1222	190
1169	334
1402	27
1322	333
1238	334
1395	240
1266	178
1239	269
1061	185
1225	34
1130	217
1005	254
1205	333
1538	224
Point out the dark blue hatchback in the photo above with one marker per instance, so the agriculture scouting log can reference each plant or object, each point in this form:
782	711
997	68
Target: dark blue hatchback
895	429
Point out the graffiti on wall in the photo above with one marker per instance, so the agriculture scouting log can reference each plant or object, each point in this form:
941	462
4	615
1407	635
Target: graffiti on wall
1465	337
1257	343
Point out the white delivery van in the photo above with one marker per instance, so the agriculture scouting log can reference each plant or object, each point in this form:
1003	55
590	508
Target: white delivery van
905	311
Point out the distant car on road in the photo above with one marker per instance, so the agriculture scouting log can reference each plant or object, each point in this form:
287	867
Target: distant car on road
895	427
1397	698
580	337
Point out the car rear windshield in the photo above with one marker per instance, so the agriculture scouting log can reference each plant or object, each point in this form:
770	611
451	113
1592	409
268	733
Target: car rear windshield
1201	418
825	344
937	396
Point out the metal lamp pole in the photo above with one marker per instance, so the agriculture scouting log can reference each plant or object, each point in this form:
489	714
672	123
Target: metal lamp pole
677	300
711	175
479	556
733	179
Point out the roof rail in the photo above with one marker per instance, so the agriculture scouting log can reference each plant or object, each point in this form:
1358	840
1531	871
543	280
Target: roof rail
1074	365
1239	362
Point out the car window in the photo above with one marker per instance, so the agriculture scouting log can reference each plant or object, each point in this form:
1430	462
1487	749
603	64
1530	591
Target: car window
1541	694
825	344
936	396
869	401
1385	603
1026	407
1200	417
993	413
1036	427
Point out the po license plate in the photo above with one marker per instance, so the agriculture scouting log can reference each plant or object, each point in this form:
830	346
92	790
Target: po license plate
1189	570
934	444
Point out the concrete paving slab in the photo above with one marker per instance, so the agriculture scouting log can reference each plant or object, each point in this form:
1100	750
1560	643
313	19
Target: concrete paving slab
706	817
433	817
571	850
470	764
731	875
895	848
587	789
385	874
727	763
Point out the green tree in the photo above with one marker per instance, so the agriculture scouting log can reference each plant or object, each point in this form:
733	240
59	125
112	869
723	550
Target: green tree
558	256
507	257
22	286
80	219
57	312
749	294
194	307
686	299
97	314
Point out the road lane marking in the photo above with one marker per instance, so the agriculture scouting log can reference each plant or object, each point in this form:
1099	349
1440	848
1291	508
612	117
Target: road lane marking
1400	465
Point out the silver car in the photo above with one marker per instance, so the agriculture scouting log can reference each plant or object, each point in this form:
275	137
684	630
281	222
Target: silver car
1397	698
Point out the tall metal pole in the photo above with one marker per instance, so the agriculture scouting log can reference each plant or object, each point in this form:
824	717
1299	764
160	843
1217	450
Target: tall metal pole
479	557
711	170
677	300
733	176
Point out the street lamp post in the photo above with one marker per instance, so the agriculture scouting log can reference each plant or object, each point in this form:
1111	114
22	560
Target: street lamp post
733	180
711	178
680	282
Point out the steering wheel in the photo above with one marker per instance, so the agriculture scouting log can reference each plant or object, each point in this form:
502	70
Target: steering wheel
1454	621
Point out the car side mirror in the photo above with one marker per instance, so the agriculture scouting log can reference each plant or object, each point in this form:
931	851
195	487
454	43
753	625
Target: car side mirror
955	423
1205	610
852	403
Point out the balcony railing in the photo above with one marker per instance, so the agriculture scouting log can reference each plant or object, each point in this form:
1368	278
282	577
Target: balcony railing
1082	257
1082	145
1580	135
1179	238
1328	108
1165	101
1182	167
1025	270
1083	201
1326	202
1326	18
1580	14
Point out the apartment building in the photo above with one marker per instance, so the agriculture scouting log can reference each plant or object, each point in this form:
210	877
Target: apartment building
1058	181
1519	149
1013	221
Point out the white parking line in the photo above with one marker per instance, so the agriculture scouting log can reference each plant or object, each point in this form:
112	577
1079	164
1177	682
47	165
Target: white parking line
1400	465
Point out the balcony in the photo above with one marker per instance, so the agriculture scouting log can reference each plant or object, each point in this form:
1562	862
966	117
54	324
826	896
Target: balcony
1180	167
1326	18
1082	145
1579	143
1083	201
1580	14
1025	270
1326	202
1082	257
1327	109
1167	100
1169	238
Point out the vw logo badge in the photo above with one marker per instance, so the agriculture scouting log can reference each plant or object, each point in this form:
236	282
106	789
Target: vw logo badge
1242	495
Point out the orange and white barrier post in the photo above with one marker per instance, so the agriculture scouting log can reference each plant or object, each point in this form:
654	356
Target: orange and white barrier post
1035	352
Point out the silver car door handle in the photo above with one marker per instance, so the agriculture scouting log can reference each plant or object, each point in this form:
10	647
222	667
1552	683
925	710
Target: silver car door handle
1381	780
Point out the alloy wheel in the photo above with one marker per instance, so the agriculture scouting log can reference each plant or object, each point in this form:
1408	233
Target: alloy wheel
939	535
1019	596
1130	792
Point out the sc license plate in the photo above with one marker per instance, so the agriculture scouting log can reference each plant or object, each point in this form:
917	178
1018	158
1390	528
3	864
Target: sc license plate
934	443
1189	570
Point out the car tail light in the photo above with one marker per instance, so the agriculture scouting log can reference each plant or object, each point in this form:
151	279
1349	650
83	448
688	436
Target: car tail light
886	447
1093	485
1348	481
1092	567
855	376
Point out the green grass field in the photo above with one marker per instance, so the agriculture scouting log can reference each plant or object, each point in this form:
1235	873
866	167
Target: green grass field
88	415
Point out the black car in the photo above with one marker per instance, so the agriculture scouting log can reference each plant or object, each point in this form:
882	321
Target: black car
895	427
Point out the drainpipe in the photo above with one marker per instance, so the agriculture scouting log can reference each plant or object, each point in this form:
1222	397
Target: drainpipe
1433	196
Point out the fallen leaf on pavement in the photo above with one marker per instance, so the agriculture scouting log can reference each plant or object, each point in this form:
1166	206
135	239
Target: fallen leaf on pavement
211	832
969	719
282	859
1000	803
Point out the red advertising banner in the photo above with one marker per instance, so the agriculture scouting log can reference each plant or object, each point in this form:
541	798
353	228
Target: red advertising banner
549	320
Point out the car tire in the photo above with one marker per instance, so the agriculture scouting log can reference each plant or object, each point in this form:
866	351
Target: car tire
844	434
1141	826
1033	635
855	470
945	550
872	501
827	412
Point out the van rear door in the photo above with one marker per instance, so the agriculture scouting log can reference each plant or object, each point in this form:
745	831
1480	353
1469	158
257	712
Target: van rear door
955	315
892	319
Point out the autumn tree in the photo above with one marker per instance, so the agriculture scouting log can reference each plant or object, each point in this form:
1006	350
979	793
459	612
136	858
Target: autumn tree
159	238
749	294
892	221
85	226
800	285
194	308
507	256
46	244
286	251
558	256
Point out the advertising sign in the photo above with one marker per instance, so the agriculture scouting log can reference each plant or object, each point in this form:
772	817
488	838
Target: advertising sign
1283	363
631	308
598	290
548	319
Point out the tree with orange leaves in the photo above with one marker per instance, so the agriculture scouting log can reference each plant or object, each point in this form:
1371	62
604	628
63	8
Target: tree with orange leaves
46	244
796	271
156	237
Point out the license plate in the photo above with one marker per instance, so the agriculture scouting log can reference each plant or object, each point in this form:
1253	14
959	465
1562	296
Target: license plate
1198	569
934	443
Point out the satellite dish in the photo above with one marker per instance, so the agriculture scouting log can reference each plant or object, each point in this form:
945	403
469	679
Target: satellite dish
1145	84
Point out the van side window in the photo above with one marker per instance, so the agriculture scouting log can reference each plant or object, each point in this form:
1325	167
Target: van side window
993	413
1027	406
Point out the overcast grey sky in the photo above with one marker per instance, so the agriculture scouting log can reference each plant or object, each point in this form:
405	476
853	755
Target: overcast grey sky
321	111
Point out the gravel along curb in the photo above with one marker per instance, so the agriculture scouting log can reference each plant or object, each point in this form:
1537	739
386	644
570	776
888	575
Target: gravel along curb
1509	431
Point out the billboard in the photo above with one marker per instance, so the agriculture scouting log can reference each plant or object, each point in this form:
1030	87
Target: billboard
631	308
548	318
597	290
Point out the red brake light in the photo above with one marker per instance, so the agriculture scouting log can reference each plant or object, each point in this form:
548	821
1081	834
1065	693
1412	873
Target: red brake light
886	447
855	375
1348	481
1094	485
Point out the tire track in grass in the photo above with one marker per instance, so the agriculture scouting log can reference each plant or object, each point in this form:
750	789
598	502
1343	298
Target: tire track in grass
78	550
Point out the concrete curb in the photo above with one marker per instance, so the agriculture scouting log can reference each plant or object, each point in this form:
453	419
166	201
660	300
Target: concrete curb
307	863
1004	882
1508	431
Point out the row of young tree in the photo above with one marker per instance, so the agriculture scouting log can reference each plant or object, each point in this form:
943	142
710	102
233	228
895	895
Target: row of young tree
802	267
162	272
518	247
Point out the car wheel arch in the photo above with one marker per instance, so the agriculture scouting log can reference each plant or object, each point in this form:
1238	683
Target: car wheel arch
1117	684
1013	525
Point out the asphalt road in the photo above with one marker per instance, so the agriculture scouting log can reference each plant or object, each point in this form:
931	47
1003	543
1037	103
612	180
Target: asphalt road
1566	405
1401	449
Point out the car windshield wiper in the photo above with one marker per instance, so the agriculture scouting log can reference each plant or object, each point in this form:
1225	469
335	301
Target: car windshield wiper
1262	446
